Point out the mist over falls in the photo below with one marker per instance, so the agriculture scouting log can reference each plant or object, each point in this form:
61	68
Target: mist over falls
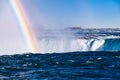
69	40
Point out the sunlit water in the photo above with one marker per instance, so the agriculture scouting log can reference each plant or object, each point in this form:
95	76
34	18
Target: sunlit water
71	40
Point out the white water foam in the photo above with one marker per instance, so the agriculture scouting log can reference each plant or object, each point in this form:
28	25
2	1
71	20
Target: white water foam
49	45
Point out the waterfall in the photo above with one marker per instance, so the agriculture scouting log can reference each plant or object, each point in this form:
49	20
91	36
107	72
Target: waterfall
50	45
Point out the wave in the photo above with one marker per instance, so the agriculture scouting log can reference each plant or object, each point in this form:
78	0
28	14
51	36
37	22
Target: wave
50	45
105	45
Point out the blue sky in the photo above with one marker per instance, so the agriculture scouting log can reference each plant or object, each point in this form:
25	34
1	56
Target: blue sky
65	13
53	14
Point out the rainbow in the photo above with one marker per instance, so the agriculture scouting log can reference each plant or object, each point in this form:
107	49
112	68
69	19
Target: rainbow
24	25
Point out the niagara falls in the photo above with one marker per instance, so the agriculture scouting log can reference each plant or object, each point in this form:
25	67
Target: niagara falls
59	40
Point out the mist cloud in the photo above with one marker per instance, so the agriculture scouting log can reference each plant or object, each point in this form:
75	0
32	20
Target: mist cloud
11	38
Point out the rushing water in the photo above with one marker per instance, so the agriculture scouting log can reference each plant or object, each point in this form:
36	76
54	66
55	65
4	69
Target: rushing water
99	61
68	45
61	66
79	40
